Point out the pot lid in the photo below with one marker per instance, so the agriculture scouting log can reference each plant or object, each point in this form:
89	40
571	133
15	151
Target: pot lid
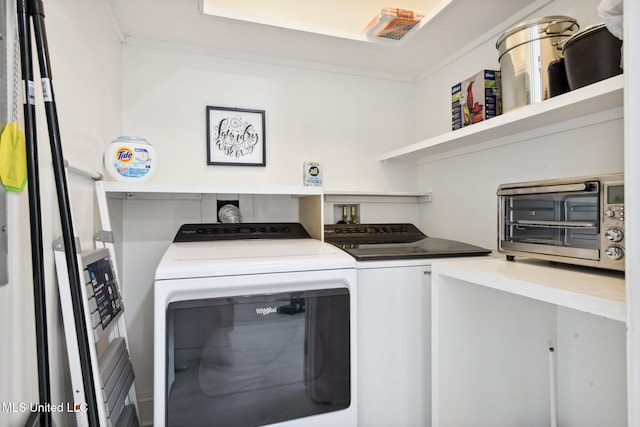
549	25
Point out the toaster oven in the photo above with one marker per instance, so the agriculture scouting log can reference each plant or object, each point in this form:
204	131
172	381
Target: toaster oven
573	220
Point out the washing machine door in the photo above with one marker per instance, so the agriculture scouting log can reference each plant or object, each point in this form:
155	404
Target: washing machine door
258	359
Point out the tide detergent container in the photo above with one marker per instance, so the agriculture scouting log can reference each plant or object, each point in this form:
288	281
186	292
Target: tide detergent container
130	158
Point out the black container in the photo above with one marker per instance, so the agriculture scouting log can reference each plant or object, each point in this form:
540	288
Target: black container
558	83
591	55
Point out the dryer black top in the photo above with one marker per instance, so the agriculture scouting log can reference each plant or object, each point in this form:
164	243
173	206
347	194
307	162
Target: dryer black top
375	242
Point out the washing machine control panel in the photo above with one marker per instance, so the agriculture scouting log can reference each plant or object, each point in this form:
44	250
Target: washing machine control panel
240	231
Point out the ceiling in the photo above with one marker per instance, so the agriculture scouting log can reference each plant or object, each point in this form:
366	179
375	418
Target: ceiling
454	25
329	17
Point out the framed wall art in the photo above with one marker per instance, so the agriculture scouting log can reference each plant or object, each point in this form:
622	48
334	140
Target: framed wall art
235	137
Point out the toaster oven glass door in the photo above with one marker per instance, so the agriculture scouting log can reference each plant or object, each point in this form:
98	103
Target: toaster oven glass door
564	224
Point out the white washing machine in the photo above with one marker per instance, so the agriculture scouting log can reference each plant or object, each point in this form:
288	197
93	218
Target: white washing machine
255	324
394	317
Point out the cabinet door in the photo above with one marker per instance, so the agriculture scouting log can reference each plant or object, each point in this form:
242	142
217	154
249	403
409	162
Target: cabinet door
394	347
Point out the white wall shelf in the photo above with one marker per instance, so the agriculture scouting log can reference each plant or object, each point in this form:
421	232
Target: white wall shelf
598	292
373	196
148	190
574	109
144	189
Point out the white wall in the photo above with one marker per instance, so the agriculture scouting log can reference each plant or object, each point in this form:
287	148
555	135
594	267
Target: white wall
339	118
434	88
632	197
464	186
85	57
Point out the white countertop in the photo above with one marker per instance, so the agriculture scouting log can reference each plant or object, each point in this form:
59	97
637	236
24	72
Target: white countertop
599	292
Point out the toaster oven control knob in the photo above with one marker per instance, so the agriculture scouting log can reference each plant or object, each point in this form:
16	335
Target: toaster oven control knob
614	234
614	252
609	213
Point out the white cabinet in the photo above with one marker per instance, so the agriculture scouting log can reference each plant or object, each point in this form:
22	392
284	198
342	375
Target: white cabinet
394	346
521	343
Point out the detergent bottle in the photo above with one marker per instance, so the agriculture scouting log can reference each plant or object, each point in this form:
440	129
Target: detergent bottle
130	158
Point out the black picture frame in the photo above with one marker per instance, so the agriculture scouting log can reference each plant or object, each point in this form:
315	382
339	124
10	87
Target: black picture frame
236	137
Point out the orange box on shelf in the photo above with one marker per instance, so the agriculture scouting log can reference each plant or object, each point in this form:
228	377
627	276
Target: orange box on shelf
476	99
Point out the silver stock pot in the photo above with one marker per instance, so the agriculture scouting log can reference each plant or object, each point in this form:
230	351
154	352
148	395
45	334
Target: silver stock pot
525	52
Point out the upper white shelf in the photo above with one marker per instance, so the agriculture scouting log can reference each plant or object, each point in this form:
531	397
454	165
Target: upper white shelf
593	99
149	188
592	291
155	188
329	192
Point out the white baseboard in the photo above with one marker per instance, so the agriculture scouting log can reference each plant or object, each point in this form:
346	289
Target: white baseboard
145	407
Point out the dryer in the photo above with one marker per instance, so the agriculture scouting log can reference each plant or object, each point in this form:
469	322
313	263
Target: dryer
394	317
255	324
